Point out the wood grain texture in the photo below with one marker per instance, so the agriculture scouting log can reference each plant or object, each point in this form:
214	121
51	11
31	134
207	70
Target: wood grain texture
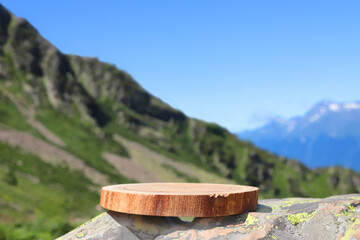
180	199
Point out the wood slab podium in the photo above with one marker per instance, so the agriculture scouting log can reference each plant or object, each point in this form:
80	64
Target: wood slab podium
180	199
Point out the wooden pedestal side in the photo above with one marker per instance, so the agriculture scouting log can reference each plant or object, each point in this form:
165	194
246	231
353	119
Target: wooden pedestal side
180	199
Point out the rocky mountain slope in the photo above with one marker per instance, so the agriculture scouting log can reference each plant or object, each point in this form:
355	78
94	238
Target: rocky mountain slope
329	134
70	124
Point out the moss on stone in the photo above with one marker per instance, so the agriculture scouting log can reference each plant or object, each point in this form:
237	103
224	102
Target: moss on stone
352	230
295	219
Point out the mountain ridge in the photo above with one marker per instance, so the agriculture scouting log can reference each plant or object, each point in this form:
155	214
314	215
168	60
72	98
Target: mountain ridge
329	125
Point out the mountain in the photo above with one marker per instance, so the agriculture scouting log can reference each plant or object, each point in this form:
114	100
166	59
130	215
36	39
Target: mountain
329	134
70	124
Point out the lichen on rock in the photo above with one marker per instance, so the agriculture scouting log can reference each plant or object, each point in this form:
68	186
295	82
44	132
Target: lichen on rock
295	219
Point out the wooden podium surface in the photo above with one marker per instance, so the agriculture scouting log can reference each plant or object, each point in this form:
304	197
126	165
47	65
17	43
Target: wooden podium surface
180	199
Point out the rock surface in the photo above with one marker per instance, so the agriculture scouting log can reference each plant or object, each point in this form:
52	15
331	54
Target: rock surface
335	217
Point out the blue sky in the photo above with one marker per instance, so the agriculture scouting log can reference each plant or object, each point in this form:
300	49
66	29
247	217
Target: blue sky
236	63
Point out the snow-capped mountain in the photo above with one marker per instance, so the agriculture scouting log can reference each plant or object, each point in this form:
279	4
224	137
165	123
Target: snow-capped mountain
328	134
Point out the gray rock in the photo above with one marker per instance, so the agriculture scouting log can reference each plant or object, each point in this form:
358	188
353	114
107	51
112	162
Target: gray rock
335	217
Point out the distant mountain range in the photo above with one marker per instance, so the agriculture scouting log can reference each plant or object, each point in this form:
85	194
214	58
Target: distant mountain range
328	134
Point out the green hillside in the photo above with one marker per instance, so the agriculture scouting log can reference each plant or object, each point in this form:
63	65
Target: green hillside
70	124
